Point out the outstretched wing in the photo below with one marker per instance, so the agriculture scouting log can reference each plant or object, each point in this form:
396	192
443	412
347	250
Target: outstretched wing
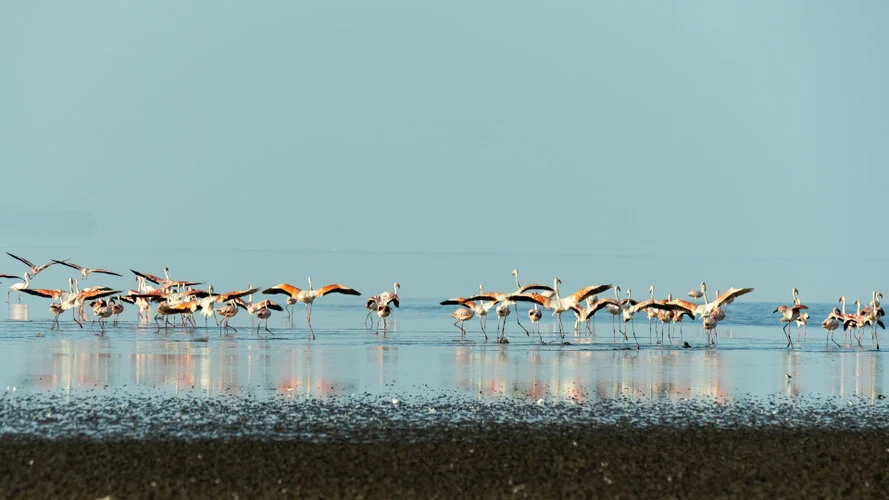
103	271
42	292
731	294
588	291
69	264
10	276
284	289
456	301
225	297
150	277
336	288
535	286
20	259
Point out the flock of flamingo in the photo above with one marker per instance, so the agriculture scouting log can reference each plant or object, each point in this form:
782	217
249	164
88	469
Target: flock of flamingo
182	298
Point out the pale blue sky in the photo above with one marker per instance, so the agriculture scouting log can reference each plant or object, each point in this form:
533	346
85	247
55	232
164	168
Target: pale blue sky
443	144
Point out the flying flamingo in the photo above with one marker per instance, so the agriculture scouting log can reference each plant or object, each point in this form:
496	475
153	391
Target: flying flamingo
34	270
308	296
84	271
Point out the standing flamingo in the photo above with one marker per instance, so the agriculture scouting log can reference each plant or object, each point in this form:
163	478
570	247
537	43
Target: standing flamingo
561	304
789	314
307	297
831	323
462	314
534	315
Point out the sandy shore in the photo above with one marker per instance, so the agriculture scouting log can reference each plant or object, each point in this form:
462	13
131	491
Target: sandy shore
500	461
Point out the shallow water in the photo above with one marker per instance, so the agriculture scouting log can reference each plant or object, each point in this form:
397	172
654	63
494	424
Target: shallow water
423	358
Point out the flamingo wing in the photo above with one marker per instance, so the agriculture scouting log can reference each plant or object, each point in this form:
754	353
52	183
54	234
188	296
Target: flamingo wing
731	294
20	259
150	277
682	306
10	276
535	286
69	264
485	298
588	291
97	294
535	298
224	297
456	301
104	271
43	292
337	288
284	289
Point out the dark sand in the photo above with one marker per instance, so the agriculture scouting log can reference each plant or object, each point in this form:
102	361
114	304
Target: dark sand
509	460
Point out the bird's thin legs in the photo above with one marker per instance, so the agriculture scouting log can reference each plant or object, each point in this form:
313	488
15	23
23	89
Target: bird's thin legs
519	321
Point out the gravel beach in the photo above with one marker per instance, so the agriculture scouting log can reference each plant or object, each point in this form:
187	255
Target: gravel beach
500	461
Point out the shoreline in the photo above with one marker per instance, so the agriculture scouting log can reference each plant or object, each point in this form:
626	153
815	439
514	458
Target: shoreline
506	460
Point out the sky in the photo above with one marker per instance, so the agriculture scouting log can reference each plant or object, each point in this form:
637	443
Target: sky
444	144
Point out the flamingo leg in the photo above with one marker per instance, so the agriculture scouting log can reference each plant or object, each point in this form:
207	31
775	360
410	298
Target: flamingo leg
519	320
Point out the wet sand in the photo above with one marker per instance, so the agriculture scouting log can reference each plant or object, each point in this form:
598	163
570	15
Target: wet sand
511	460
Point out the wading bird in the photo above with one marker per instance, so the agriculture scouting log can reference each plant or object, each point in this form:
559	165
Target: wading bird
789	314
561	304
307	297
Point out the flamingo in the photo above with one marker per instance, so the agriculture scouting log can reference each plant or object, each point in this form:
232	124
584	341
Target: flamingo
481	308
34	270
695	295
489	299
165	283
789	314
263	311
227	311
383	312
534	315
13	288
521	290
709	325
84	271
102	311
502	311
308	296
704	309
627	307
831	323
19	287
462	314
561	304
116	308
375	302
70	299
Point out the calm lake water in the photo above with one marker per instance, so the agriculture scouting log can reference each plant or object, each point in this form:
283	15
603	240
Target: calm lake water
423	355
